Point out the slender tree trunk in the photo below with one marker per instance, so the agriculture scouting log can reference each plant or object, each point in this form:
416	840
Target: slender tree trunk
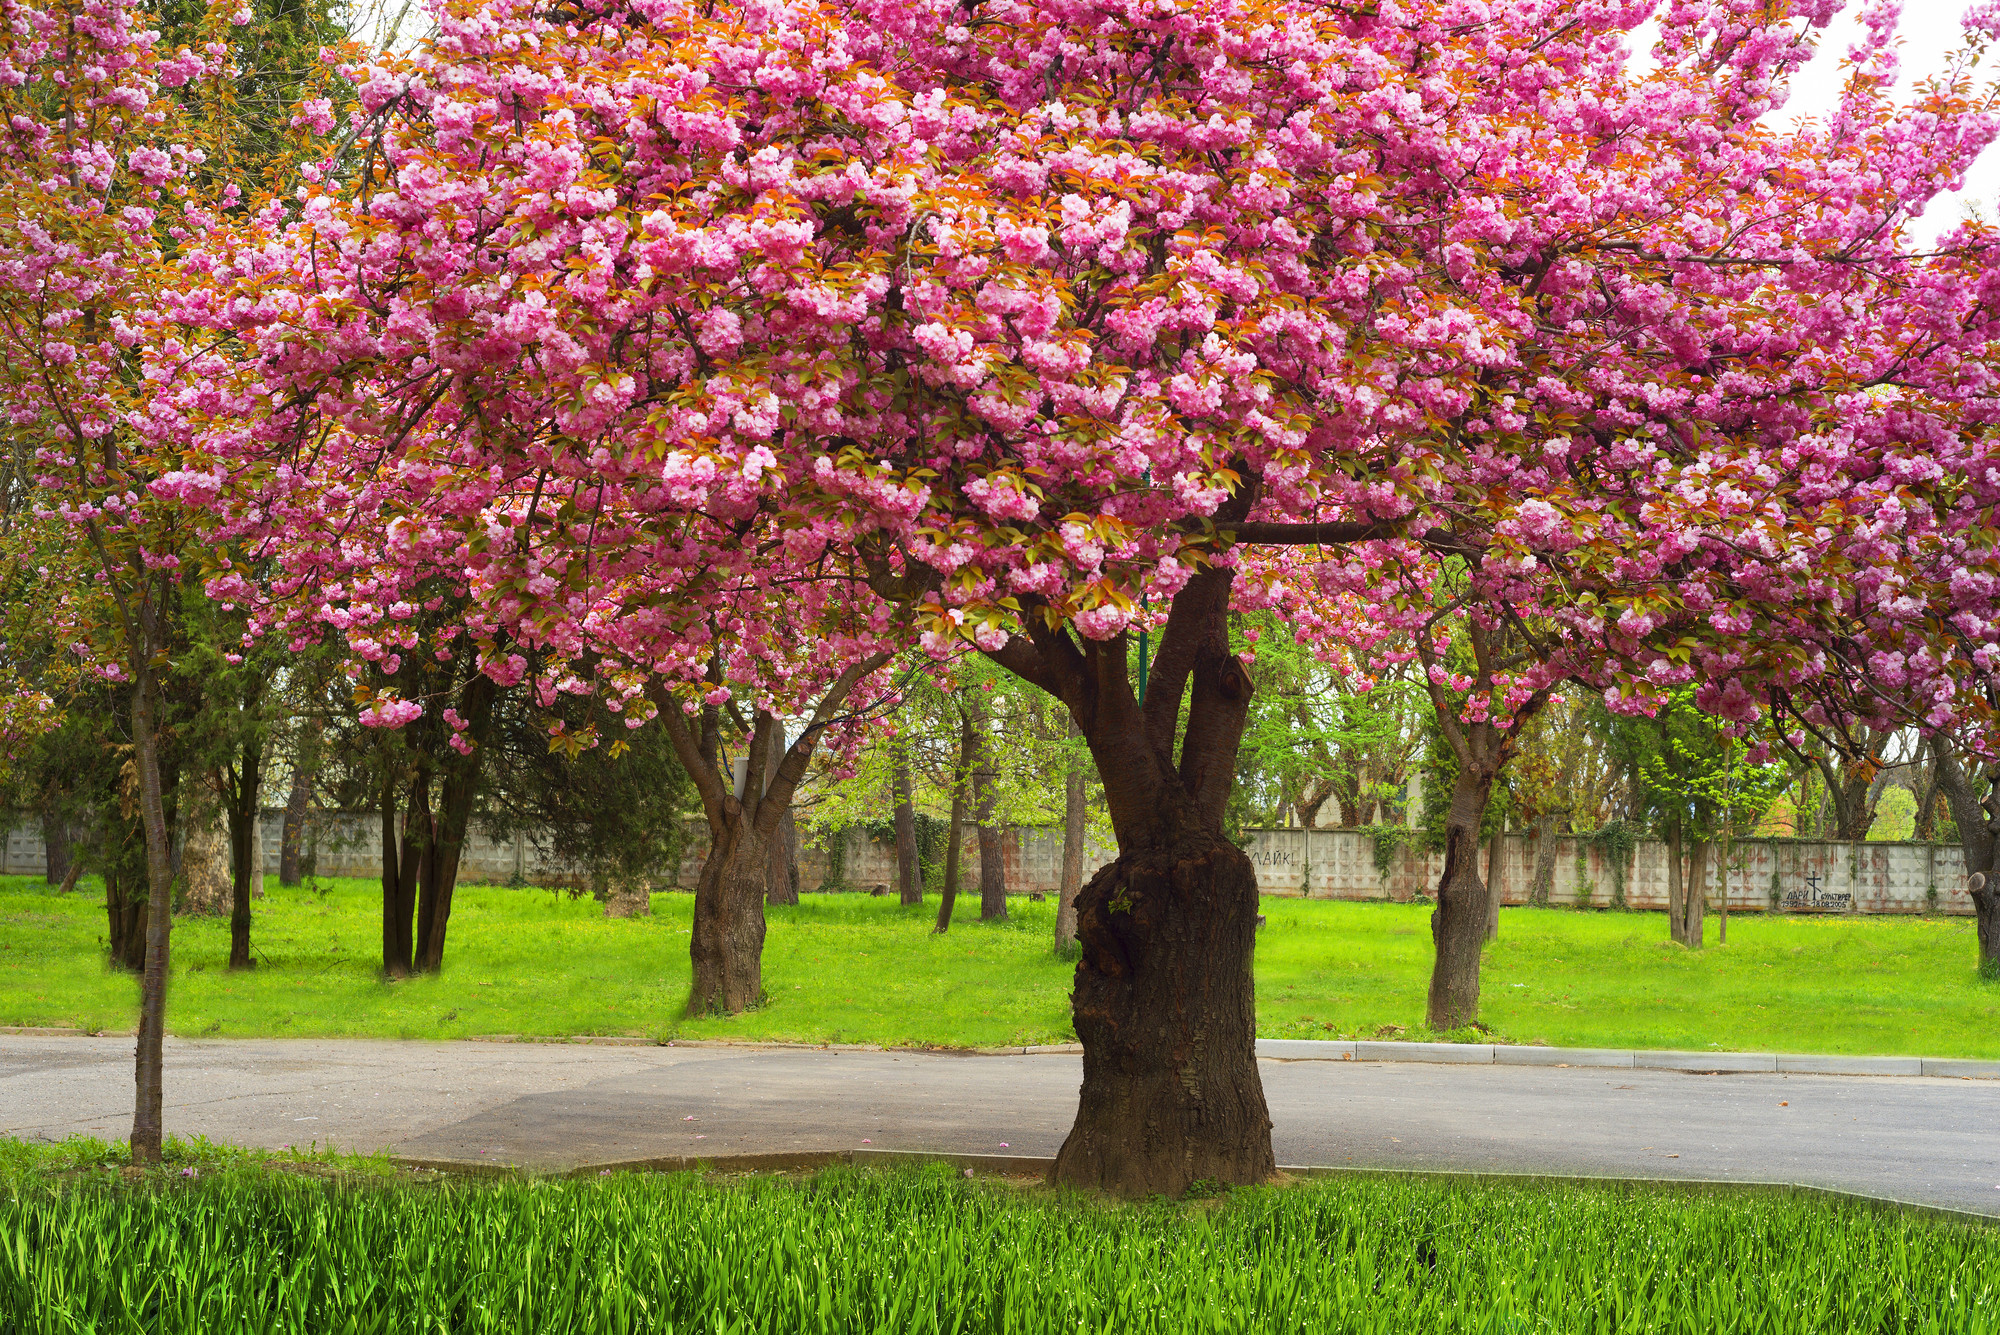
398	883
454	820
1496	872
961	778
150	1052
1458	923
909	871
245	802
1676	913
1722	889
71	876
1074	794
298	806
992	858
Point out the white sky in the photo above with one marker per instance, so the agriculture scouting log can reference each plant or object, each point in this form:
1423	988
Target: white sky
1928	31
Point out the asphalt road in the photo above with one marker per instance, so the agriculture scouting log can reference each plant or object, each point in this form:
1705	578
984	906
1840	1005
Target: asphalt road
1926	1140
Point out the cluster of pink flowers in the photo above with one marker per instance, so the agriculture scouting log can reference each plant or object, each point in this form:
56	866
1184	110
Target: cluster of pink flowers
726	346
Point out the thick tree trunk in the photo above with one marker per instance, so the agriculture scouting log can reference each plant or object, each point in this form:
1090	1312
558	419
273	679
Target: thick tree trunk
1458	923
961	777
781	878
1165	1007
56	853
1163	1000
1986	911
727	941
992	858
1697	895
1072	855
149	1055
909	871
726	944
298	806
1979	835
1545	862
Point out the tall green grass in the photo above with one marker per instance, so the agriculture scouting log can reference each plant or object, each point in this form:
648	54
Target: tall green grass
926	1251
856	969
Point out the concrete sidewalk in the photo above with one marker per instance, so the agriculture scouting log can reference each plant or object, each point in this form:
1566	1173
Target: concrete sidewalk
1930	1141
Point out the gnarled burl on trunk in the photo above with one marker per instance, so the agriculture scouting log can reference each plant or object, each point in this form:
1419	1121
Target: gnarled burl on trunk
1163	1001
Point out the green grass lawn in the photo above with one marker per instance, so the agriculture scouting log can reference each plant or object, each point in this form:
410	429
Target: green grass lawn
217	1243
849	968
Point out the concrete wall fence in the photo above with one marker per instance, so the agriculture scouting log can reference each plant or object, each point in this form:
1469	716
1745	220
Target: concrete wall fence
1795	875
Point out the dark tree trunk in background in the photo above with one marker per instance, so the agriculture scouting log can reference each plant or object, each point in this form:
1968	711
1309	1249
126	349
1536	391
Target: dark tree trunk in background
726	943
992	857
1163	999
961	779
56	852
298	804
909	869
1074	815
243	807
1458	923
454	819
398	891
1979	835
125	910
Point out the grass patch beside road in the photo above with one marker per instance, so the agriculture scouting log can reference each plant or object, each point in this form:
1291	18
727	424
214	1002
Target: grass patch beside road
925	1250
851	968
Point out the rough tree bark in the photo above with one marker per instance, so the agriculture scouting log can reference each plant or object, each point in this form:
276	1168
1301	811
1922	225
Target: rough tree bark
781	878
961	779
1163	999
1545	862
1074	795
726	944
1979	835
1687	884
909	871
1458	923
149	1051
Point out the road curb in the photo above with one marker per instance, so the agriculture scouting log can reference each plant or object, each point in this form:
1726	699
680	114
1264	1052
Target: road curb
1038	1166
1285	1049
1694	1063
